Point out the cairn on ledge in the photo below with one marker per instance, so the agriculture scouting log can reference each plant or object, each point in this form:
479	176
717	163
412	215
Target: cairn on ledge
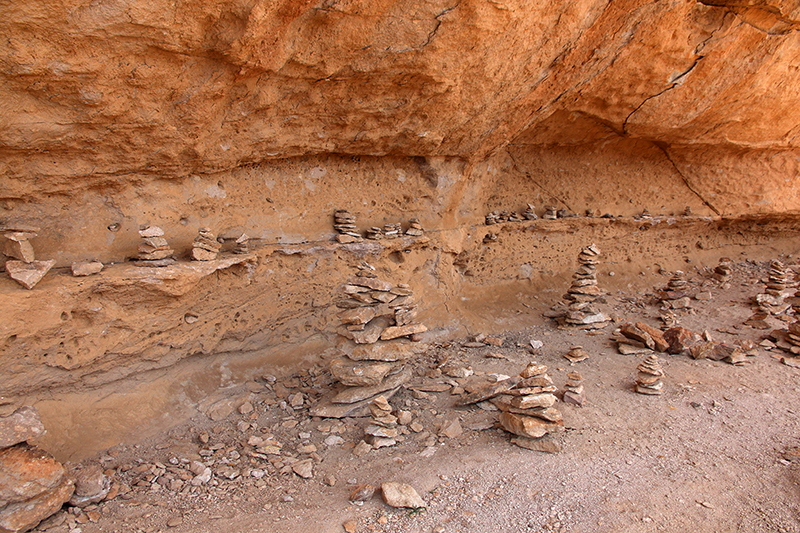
344	223
529	213
205	246
242	245
154	251
550	212
583	294
414	228
23	266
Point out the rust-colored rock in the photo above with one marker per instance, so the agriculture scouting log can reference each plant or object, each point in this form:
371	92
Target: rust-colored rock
680	339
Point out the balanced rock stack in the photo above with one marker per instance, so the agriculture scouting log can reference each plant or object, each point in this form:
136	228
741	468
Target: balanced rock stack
527	409
383	430
723	271
675	295
574	391
344	223
530	213
515	217
154	251
23	267
392	230
496	217
242	244
33	485
377	321
414	228
374	233
584	293
772	300
205	246
650	374
550	212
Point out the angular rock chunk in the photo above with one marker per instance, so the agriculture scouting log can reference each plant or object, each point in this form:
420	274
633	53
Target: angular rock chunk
401	495
28	274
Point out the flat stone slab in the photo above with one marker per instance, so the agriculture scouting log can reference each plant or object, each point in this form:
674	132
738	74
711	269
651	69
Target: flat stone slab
28	274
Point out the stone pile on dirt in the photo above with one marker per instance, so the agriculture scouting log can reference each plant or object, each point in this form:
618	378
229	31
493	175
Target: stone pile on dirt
574	392
530	213
23	266
392	230
344	222
383	430
583	294
377	323
649	378
723	271
772	301
154	251
33	485
242	244
205	246
527	409
675	295
550	212
639	338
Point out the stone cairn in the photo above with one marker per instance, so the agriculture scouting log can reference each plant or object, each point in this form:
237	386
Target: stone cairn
374	233
675	294
23	266
772	300
33	485
205	246
392	230
242	245
650	374
583	294
574	392
550	212
723	272
789	340
377	323
383	430
414	228
154	251
527	409
530	213
344	223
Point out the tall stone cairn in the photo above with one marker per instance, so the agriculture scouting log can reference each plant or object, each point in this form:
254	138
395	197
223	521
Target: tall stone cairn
154	250
581	298
344	222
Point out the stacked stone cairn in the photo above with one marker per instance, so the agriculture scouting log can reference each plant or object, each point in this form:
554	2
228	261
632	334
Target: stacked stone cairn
584	293
344	223
723	272
675	294
33	485
789	340
530	213
527	409
154	251
374	233
242	245
772	300
383	430
649	379
414	228
515	217
392	230
377	323
205	246
574	392
550	212
23	266
494	218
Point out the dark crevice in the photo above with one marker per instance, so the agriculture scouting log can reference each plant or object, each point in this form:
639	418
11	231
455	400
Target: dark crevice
438	17
663	148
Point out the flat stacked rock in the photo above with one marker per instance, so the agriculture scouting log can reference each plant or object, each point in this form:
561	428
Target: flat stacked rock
675	295
374	233
205	246
550	212
496	217
392	230
383	430
576	354
527	409
723	271
640	338
377	323
574	392
344	223
414	228
530	213
583	294
778	279
242	245
23	267
154	251
33	485
650	374
515	217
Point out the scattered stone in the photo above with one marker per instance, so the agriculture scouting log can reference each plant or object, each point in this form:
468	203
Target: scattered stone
17	244
362	493
401	495
91	486
205	246
28	274
86	268
650	373
351	526
487	391
544	444
574	393
680	339
304	469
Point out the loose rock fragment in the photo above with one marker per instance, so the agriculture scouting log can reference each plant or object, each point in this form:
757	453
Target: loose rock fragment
401	495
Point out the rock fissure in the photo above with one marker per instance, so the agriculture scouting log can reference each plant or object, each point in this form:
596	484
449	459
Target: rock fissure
708	204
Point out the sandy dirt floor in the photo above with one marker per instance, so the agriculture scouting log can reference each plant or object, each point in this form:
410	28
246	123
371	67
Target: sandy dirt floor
713	453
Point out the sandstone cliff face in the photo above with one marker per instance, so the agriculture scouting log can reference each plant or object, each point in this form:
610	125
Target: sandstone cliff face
264	116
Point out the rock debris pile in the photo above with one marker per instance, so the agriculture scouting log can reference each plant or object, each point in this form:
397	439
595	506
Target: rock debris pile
583	295
23	267
377	322
639	338
205	246
154	250
33	485
649	378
